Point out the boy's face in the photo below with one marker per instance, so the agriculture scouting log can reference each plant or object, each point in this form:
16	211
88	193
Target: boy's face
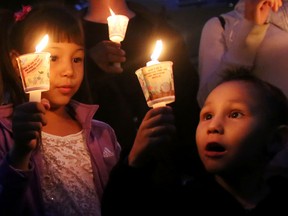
66	72
232	132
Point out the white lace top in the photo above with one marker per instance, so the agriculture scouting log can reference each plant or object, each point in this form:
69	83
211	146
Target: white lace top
67	181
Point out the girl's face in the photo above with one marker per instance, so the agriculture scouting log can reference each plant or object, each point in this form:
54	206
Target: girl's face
232	133
66	72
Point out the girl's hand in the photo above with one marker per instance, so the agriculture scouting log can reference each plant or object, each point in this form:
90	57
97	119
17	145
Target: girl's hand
27	122
258	11
154	136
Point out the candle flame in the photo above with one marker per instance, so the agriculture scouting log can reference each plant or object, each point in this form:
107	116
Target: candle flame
157	50
111	12
42	44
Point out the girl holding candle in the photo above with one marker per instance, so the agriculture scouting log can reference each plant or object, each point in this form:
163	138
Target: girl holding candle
40	167
54	159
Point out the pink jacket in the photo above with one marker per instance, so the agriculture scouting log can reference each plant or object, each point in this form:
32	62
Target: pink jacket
20	192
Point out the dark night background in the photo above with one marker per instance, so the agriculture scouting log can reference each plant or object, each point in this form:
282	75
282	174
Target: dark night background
16	4
186	16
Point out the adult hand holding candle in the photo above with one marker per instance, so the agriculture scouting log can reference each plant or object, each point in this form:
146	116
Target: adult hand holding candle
117	25
34	70
156	79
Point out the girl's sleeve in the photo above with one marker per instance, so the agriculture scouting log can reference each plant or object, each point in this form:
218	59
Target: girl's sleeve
13	183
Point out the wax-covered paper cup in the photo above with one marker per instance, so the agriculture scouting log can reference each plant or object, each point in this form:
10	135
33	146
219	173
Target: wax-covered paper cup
142	82
158	86
35	71
117	25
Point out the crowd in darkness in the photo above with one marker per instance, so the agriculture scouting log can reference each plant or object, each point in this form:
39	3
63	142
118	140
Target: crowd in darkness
92	145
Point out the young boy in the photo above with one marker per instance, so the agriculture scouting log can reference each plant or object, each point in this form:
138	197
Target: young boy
243	124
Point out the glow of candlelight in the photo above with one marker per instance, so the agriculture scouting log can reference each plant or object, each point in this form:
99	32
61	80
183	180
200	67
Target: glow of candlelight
111	12
36	95
157	50
156	53
42	44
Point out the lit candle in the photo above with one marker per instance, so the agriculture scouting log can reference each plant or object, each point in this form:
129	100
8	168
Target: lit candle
34	70
36	95
154	60
156	79
156	53
117	26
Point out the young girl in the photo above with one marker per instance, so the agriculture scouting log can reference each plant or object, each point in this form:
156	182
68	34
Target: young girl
54	159
60	160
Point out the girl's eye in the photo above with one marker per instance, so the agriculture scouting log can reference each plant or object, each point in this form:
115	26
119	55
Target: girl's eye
235	115
53	58
77	60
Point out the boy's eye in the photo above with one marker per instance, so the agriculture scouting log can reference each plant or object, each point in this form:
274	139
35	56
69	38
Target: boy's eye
77	60
208	116
235	115
53	58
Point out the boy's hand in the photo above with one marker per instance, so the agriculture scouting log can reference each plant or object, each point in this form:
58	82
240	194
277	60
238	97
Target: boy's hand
155	134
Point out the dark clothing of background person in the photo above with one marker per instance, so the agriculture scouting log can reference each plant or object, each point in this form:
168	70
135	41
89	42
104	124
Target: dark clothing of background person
131	191
121	100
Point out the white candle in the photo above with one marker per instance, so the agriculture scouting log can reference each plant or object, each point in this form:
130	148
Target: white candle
117	26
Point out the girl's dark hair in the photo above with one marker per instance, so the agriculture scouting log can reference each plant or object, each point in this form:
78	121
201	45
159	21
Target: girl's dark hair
275	99
61	23
11	90
56	20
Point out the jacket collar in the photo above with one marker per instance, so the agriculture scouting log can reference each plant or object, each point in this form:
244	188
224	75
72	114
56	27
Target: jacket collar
83	112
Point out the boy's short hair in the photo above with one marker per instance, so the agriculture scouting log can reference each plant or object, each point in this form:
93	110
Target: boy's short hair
276	101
